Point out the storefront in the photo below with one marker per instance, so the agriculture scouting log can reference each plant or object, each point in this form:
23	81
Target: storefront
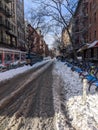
89	52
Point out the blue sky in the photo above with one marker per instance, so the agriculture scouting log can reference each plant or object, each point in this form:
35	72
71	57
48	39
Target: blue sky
27	5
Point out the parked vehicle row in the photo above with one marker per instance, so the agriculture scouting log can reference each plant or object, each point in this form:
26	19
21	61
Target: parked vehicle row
32	58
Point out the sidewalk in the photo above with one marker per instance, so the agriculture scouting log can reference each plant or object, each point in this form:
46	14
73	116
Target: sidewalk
81	116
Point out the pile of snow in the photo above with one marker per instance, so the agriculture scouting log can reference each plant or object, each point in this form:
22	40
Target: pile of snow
83	116
13	72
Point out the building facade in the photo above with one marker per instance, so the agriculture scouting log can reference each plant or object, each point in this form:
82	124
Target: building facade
8	34
20	24
35	41
12	34
85	29
11	40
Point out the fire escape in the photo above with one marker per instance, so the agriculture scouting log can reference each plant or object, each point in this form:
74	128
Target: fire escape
80	28
5	23
84	23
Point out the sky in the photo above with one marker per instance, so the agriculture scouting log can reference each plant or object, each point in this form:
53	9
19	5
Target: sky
49	38
83	116
27	5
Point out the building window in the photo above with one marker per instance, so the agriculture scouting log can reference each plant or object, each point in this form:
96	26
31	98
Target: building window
87	10
0	58
95	35
94	2
8	39
92	53
1	35
95	17
90	20
86	39
95	53
90	36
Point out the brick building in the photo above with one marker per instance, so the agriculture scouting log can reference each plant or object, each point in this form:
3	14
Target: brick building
85	29
35	41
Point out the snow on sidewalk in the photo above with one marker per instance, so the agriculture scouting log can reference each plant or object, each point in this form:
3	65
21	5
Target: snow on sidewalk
83	116
13	72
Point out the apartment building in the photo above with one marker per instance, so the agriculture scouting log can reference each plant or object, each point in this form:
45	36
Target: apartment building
85	29
12	33
35	41
8	34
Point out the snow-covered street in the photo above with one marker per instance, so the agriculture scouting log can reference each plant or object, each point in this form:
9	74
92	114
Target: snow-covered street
69	111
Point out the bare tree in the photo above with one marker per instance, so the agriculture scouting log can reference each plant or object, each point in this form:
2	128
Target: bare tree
39	21
59	13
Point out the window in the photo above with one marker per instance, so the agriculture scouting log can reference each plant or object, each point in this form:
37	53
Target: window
0	58
1	37
92	53
8	39
94	2
95	17
7	58
87	10
90	20
90	36
95	35
90	6
16	57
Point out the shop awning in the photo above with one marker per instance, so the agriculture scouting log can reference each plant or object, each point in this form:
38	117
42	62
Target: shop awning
88	46
84	47
93	44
